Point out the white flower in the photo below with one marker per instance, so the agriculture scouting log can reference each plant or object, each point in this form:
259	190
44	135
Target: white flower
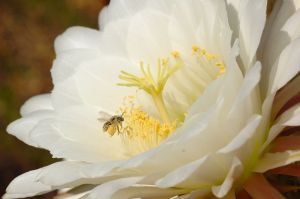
195	93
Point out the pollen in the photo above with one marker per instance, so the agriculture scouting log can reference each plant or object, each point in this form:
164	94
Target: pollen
142	132
195	49
175	54
221	67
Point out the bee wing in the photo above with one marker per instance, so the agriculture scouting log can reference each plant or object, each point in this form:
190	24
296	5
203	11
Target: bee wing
103	116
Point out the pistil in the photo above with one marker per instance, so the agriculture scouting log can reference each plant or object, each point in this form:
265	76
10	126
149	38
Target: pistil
152	86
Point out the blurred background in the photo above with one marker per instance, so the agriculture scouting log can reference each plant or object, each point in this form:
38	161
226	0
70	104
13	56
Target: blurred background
27	32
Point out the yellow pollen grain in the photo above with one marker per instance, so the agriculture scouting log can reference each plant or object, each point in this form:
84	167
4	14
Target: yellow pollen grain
210	56
175	54
141	132
139	125
165	61
221	67
195	49
203	52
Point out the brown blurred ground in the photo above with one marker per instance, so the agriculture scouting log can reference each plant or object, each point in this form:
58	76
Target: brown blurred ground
27	31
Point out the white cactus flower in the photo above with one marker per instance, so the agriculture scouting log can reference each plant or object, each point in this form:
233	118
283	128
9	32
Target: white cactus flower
169	99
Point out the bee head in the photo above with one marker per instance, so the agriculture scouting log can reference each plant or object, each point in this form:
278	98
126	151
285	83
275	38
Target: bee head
120	119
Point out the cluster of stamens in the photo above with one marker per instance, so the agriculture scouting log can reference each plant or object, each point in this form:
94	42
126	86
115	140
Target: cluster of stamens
140	131
202	53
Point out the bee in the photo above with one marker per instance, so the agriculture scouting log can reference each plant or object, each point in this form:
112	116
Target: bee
112	124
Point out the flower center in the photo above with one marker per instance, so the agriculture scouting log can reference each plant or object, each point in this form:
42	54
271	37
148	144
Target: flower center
141	132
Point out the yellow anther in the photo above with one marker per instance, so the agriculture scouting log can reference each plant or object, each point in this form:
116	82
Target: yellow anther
220	64
138	124
210	56
142	132
221	67
165	61
195	49
175	54
203	52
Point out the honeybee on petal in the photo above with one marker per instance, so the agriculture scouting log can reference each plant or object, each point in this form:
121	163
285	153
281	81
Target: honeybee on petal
112	123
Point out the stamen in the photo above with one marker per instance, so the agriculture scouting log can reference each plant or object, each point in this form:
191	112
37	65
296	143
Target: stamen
142	132
175	54
195	49
221	66
202	53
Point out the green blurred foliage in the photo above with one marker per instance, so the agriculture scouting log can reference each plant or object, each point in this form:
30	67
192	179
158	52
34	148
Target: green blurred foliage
27	32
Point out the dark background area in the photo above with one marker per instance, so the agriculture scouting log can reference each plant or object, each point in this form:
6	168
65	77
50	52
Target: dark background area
27	32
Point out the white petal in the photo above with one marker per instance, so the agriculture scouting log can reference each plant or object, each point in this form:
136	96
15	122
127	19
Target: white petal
26	186
147	191
65	93
72	196
68	61
97	81
199	130
39	102
202	23
226	87
147	39
242	145
251	17
76	134
22	127
248	97
274	160
114	38
183	176
292	26
288	118
294	119
234	173
79	173
213	32
61	175
78	38
233	7
74	193
198	174
120	9
279	31
288	58
106	190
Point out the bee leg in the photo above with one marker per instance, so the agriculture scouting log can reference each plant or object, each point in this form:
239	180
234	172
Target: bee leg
118	129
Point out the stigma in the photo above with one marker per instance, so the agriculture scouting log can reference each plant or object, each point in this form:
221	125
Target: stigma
154	86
